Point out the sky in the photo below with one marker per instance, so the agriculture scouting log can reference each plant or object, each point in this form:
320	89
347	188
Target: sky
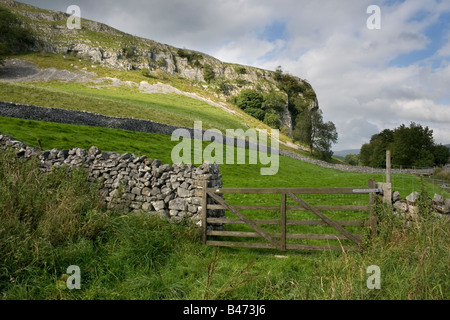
371	70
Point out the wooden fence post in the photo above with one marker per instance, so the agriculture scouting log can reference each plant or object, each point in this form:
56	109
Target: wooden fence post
204	210
283	221
40	144
372	217
388	166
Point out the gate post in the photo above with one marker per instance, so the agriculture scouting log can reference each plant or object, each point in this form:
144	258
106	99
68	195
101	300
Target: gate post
283	221
388	166
372	217
204	210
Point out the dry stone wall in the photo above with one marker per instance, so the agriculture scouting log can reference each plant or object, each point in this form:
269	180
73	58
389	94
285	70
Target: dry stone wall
134	183
409	207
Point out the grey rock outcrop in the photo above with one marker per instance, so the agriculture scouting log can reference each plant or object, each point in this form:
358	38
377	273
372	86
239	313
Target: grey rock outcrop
409	209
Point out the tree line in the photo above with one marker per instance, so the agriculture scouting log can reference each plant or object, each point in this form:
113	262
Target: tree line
410	146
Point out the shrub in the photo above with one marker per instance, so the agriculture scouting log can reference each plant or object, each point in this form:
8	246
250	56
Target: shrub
442	174
240	70
13	37
161	62
273	101
352	159
193	58
272	119
255	113
208	73
250	99
129	52
145	72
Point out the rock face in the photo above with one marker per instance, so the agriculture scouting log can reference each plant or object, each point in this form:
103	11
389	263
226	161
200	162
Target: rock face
134	183
106	46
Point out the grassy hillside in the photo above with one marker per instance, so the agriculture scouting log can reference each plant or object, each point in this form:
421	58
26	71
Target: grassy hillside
121	101
111	53
124	100
292	173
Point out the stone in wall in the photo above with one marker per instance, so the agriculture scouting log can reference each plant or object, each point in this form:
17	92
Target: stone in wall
408	208
133	183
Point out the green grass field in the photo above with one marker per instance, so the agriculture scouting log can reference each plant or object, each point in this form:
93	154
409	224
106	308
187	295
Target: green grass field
56	222
292	173
123	101
119	102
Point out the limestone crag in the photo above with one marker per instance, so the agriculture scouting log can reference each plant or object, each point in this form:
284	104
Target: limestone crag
109	47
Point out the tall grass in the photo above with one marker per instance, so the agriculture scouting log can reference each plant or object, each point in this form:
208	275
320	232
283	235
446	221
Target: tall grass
39	212
49	222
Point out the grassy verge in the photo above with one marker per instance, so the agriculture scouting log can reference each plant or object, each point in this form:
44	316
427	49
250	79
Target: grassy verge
56	221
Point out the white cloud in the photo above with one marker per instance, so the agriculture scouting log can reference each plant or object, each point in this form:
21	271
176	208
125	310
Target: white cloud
349	69
326	42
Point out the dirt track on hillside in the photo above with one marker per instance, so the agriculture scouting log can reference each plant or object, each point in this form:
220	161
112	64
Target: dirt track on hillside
16	70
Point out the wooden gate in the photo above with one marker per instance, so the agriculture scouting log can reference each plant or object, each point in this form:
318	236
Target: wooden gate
301	205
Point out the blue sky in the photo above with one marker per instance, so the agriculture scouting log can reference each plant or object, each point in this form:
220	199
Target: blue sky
436	33
366	80
274	31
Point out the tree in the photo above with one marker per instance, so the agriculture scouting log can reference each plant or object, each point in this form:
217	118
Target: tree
299	92
311	130
373	154
413	146
256	113
273	101
441	155
267	107
305	131
366	154
410	146
326	136
251	102
208	73
352	159
272	119
249	99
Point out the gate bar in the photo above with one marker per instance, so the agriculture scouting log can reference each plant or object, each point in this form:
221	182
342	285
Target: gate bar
247	221
326	219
